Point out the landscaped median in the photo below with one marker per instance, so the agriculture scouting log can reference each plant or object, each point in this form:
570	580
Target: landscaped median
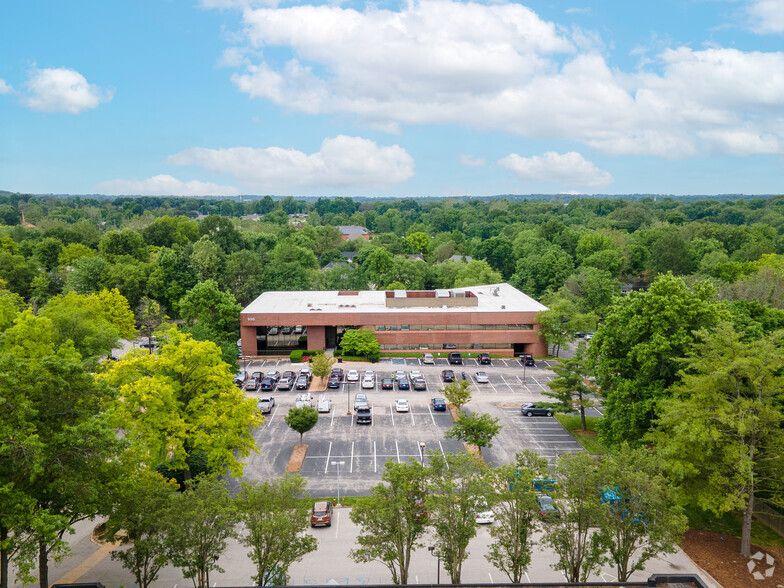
589	438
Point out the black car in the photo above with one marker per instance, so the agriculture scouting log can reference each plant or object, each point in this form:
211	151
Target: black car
528	361
387	384
337	372
403	384
302	382
448	376
455	359
419	384
334	381
289	374
484	358
530	409
364	415
438	404
286	383
267	385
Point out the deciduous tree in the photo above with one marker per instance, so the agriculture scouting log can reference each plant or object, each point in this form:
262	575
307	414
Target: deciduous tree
475	429
301	420
361	342
569	386
457	393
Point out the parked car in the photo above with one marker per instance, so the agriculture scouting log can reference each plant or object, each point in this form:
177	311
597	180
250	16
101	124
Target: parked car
455	358
414	374
267	385
359	399
403	384
302	382
336	371
530	409
419	384
265	404
258	375
483	513
483	358
364	414
252	385
274	374
333	382
481	378
448	376
589	336
289	374
239	378
438	404
369	373
547	507
304	399
400	374
428	358
286	383
528	361
387	384
321	515
368	382
324	404
306	372
401	405
352	376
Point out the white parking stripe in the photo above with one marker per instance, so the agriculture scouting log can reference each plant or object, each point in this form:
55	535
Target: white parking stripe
375	464
397	451
392	414
412	417
329	451
432	418
351	469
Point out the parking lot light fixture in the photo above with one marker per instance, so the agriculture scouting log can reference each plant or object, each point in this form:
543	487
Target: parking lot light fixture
433	551
338	464
422	453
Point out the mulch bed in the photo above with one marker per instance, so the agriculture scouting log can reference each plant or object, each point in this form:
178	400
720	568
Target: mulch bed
297	457
719	555
584	433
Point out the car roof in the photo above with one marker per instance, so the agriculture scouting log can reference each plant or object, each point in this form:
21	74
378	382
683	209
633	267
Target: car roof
321	505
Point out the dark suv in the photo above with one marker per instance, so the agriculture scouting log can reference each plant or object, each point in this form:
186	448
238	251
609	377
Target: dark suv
528	361
455	359
448	376
484	358
364	415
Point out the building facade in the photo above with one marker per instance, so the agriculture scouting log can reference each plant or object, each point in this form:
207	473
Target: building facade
493	318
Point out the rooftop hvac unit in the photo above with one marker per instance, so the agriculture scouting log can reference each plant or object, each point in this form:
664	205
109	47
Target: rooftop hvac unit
495	291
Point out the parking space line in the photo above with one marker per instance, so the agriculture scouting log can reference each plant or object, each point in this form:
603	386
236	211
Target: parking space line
492	386
329	451
392	414
375	464
397	450
351	469
332	417
432	418
412	417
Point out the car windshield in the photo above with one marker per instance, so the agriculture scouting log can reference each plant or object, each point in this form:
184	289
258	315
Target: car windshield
319	513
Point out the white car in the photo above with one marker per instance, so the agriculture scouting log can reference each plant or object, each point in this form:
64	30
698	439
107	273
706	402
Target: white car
428	358
352	376
414	374
482	512
368	382
401	405
324	404
400	375
481	378
369	373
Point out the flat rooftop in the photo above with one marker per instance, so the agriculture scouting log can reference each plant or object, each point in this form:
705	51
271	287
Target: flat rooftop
489	298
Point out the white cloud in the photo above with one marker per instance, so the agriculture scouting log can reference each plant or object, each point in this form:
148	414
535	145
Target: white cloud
568	169
585	10
62	90
164	185
5	88
766	16
342	162
501	67
471	161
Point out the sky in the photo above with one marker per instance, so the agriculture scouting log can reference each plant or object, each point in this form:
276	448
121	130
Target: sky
392	99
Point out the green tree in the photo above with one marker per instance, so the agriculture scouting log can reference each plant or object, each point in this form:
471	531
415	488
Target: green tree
497	251
117	244
391	520
592	289
199	525
475	273
516	511
141	502
570	535
212	308
475	429
181	400
73	251
48	250
207	259
244	276
274	517
301	420
559	323
569	387
149	316
720	434
645	521
457	393
322	364
418	242
360	342
455	481
88	274
636	351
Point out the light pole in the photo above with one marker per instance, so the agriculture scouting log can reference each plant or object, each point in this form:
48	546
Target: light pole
348	398
422	453
338	464
433	551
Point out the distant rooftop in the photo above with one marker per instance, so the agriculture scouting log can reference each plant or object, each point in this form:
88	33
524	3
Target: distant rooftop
488	298
353	231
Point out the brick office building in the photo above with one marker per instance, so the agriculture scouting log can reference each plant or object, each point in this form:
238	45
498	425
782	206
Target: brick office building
494	318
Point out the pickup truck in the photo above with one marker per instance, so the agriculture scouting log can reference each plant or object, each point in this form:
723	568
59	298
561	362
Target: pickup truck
266	403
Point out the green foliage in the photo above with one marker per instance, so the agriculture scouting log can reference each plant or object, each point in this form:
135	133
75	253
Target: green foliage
457	393
274	518
360	342
391	520
569	387
559	323
322	364
475	429
212	308
301	420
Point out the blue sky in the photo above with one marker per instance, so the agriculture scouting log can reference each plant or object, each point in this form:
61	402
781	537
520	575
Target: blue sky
419	98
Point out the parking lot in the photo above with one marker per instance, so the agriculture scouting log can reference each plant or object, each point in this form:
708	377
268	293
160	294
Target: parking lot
337	442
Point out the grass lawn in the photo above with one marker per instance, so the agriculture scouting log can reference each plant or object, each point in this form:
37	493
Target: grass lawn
571	422
731	524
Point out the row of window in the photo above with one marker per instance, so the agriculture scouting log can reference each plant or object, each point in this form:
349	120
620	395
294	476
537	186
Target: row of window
493	327
440	346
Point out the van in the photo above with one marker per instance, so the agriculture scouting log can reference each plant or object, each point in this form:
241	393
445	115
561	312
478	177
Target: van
455	359
364	415
321	515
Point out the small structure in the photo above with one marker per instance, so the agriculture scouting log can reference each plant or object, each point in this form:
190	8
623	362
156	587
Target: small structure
351	232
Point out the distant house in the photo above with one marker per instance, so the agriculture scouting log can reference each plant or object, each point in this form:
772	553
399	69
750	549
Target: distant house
253	217
416	256
349	255
461	258
627	288
351	232
332	264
